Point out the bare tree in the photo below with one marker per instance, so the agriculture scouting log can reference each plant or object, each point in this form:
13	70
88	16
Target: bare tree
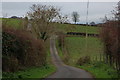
105	19
117	15
62	19
25	23
41	20
75	17
116	12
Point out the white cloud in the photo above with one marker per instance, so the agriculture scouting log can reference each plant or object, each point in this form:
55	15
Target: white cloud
97	10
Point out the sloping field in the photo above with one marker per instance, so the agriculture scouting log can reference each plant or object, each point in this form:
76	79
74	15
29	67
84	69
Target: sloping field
78	28
80	46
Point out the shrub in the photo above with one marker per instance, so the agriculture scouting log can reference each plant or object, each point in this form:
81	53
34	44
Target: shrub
61	41
110	34
83	60
10	64
66	58
20	49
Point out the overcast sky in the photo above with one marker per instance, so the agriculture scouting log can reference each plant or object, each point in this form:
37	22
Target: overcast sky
97	10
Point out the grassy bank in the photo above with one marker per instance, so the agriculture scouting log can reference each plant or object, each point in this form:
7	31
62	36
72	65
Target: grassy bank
100	70
33	72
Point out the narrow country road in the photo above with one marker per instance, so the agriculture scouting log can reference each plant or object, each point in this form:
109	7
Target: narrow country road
65	71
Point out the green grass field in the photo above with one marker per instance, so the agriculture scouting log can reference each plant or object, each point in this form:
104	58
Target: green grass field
80	46
77	28
14	23
17	23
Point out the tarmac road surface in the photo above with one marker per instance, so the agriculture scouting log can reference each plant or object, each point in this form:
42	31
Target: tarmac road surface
65	71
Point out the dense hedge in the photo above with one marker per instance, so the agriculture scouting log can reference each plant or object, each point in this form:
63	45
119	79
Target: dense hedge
110	34
21	50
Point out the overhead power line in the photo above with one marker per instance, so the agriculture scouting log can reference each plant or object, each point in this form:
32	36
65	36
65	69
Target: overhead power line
87	13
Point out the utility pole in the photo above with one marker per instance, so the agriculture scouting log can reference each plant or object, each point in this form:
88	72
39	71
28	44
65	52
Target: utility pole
87	23
87	17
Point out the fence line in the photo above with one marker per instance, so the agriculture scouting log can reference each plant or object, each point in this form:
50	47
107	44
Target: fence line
81	34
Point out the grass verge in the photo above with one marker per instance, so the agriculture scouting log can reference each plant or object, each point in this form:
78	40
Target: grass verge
33	73
100	70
